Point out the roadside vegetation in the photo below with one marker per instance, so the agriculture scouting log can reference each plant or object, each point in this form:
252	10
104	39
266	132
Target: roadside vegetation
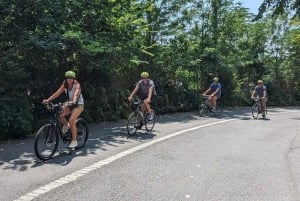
182	44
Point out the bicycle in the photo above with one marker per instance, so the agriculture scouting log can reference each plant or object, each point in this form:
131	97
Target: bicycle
206	107
47	137
257	108
137	119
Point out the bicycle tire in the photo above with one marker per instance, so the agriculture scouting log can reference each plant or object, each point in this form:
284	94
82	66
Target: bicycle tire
203	111
150	124
82	132
46	142
255	111
132	124
218	111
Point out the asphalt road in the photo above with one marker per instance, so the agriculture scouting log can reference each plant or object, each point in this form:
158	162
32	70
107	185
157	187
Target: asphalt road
231	158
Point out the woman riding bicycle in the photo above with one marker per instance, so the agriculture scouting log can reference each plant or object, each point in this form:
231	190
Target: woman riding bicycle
73	107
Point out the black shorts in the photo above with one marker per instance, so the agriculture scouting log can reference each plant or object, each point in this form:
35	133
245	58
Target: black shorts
153	98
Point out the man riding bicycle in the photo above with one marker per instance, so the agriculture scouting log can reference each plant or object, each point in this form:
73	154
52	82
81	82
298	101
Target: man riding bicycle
215	92
146	89
73	107
260	91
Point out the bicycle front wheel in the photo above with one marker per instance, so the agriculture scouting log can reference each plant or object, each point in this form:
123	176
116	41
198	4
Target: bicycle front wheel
82	132
46	142
255	111
132	124
218	111
149	124
203	111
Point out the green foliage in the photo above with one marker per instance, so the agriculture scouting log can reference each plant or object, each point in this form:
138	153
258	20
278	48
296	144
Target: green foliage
15	117
182	44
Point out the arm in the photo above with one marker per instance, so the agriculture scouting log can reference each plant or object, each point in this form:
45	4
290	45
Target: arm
208	90
253	94
59	91
264	94
150	93
213	94
133	92
77	92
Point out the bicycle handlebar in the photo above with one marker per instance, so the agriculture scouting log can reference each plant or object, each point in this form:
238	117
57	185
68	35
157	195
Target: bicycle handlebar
52	106
257	98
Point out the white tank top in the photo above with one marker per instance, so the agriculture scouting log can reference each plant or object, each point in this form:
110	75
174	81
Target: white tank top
72	93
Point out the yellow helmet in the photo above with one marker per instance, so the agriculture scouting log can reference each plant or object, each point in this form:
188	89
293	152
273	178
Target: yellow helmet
216	79
144	74
260	82
70	74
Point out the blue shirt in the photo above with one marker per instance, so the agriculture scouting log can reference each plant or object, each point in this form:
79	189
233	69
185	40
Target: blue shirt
214	86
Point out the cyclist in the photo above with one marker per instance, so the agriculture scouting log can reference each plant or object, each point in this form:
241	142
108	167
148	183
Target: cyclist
73	107
260	91
215	93
146	89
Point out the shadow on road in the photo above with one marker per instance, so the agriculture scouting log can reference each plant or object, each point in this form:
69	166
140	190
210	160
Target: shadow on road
19	154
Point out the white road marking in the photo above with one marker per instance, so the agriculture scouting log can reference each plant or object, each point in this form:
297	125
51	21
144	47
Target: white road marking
75	175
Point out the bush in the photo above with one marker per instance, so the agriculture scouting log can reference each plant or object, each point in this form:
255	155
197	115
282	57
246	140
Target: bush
15	117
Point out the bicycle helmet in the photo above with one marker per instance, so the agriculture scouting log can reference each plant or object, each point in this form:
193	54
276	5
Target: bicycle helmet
144	74
260	82
216	79
70	74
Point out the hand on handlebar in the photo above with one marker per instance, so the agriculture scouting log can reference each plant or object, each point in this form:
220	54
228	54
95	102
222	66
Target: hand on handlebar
69	103
45	101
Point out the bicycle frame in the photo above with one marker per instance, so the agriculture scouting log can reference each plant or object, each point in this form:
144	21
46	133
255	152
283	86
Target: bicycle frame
206	107
257	108
56	110
138	118
47	137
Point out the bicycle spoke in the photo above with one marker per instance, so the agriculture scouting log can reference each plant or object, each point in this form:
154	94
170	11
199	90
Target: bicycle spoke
132	124
82	133
149	124
46	142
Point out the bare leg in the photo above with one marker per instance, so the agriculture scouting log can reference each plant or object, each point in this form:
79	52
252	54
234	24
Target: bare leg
213	101
66	111
147	105
74	115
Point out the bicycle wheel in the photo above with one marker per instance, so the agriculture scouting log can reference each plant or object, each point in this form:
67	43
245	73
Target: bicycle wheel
132	124
203	110
46	142
149	124
82	132
218	111
255	110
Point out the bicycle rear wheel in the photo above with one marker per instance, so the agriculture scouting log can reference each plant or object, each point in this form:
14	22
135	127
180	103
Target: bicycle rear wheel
82	132
46	142
255	110
132	124
149	124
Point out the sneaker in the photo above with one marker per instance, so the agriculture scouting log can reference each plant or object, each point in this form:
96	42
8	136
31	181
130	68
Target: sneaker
150	117
73	144
213	110
65	128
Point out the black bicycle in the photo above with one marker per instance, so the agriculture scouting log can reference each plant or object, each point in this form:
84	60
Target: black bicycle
47	137
206	108
137	118
257	108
